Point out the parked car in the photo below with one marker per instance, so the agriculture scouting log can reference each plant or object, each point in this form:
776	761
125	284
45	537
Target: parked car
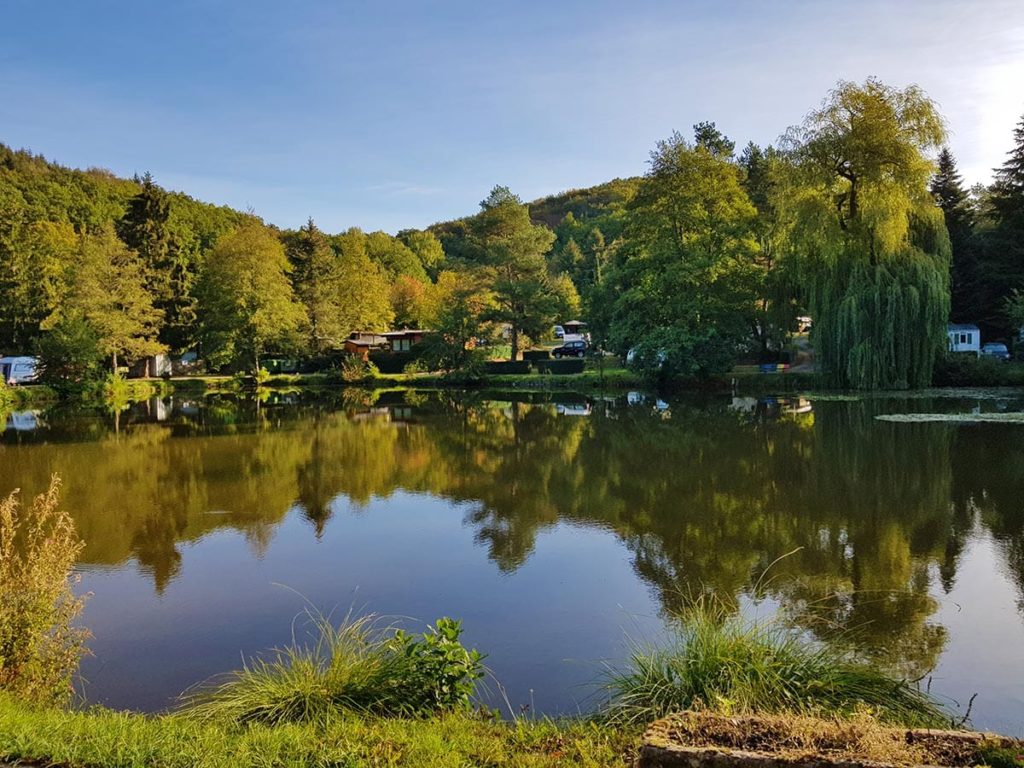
19	370
996	350
559	332
570	349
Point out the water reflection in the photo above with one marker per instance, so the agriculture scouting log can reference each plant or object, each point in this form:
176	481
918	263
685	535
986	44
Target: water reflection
872	517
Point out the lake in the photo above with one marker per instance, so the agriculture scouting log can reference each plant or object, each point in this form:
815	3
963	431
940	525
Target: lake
560	529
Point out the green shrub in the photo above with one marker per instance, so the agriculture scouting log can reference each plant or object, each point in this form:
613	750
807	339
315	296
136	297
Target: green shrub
537	354
967	370
719	661
357	666
354	370
39	647
415	366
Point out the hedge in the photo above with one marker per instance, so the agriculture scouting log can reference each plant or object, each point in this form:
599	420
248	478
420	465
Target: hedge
560	367
499	367
537	354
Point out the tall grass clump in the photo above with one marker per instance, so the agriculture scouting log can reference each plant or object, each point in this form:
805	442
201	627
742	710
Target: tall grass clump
720	661
360	665
39	647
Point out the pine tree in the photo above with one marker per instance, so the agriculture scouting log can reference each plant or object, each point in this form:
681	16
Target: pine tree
315	276
513	249
1002	262
167	273
947	188
1008	190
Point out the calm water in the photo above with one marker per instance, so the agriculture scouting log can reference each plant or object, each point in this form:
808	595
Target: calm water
556	530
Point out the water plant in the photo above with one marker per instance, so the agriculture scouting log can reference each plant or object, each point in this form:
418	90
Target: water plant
39	646
361	664
717	660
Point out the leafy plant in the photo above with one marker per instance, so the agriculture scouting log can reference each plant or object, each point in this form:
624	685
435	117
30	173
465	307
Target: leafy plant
39	646
354	369
440	674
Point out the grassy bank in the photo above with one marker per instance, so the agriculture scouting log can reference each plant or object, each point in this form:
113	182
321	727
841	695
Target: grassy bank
110	739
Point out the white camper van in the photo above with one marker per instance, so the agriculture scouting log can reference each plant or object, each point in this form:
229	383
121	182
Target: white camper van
19	370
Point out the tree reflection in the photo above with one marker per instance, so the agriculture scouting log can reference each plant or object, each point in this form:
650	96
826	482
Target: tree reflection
703	494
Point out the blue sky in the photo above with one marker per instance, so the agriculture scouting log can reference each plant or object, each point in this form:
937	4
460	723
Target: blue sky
387	115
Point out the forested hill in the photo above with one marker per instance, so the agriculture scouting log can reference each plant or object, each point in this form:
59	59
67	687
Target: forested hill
585	222
34	190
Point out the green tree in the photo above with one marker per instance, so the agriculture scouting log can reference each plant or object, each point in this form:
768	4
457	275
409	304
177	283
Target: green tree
35	260
688	280
316	279
70	351
168	275
408	297
873	238
707	135
459	326
394	256
109	292
513	249
957	209
1008	189
427	248
247	302
778	303
364	292
1001	265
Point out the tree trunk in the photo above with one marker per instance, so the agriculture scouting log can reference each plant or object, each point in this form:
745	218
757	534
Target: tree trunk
515	343
114	364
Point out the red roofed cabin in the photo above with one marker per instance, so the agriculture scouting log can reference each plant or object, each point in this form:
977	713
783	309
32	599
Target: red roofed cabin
403	341
362	343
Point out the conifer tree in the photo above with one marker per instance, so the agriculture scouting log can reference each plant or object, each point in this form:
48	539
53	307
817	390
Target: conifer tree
167	273
1002	265
955	202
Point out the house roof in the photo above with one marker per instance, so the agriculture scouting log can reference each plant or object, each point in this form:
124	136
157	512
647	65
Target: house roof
404	332
962	327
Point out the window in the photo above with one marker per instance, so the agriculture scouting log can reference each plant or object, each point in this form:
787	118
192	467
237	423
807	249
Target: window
402	345
970	338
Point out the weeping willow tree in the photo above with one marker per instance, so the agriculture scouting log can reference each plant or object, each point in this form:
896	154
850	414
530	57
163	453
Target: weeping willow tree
871	235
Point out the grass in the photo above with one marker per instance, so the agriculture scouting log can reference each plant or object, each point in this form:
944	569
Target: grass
122	740
723	662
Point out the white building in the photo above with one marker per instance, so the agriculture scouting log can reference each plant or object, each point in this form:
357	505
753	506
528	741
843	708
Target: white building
964	338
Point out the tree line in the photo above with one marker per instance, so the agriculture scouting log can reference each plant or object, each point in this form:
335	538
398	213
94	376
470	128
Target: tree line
711	256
